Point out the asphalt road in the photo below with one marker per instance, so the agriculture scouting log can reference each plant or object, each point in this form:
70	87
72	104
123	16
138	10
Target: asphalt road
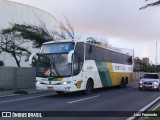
108	99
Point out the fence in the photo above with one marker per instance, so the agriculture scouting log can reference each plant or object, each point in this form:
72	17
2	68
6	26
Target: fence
17	78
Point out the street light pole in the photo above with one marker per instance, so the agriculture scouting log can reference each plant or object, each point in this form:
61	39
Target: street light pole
156	55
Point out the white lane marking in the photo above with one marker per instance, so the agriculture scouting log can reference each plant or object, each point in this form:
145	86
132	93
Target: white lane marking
24	98
9	95
83	99
20	94
145	108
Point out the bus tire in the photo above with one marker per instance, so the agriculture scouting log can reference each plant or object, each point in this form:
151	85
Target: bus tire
89	87
123	83
126	80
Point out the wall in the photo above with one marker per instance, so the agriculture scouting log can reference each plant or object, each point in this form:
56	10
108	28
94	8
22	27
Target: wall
17	78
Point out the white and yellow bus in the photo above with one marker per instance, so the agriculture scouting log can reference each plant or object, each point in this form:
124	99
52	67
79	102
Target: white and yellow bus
68	66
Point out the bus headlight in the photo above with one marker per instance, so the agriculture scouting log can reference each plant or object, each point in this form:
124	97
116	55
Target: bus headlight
38	82
65	82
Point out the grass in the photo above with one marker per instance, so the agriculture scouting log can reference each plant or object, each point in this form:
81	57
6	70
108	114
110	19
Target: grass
154	118
20	92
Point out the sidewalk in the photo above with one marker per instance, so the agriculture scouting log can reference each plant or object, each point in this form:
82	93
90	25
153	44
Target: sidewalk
7	93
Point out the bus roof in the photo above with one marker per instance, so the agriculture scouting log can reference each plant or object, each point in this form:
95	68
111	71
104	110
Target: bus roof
73	40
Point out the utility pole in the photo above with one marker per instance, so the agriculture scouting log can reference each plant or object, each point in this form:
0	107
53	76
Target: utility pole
156	55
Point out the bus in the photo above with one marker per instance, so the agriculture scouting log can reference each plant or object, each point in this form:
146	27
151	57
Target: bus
68	66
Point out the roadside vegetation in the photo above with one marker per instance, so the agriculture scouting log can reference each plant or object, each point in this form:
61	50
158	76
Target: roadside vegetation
148	68
154	118
20	92
1	63
144	67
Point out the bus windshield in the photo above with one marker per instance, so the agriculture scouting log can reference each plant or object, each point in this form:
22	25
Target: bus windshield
57	47
53	65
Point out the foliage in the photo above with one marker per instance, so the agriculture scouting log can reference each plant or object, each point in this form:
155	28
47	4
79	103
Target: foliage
20	92
1	63
12	43
100	42
65	31
146	68
93	40
38	35
151	4
154	118
14	38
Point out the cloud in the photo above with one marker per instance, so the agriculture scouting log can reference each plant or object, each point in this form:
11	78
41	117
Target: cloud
119	19
113	18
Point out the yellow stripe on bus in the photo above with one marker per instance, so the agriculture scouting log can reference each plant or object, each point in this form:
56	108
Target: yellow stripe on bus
116	76
59	79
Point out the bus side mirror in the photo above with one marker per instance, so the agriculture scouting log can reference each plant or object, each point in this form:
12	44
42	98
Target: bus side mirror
70	56
33	55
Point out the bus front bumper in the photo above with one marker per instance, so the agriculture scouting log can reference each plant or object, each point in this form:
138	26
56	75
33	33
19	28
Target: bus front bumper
46	87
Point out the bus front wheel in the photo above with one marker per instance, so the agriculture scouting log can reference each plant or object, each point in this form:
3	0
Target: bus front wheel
89	87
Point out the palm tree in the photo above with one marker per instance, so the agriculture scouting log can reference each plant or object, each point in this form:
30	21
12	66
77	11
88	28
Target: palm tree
151	4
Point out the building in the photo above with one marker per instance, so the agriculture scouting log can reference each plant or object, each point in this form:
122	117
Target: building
146	61
12	12
139	62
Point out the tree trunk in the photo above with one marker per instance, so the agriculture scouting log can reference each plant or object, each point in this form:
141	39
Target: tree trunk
17	61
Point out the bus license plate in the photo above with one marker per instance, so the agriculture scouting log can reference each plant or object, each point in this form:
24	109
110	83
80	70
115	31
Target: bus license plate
50	88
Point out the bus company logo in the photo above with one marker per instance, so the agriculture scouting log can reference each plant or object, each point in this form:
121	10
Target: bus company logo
78	84
6	114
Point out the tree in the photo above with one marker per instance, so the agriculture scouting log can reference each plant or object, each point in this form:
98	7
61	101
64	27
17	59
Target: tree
38	35
150	4
12	43
65	31
12	39
93	40
17	35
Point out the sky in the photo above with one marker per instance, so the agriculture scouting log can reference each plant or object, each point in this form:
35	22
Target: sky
119	21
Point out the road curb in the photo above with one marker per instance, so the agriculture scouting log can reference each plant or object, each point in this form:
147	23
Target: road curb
20	94
144	109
